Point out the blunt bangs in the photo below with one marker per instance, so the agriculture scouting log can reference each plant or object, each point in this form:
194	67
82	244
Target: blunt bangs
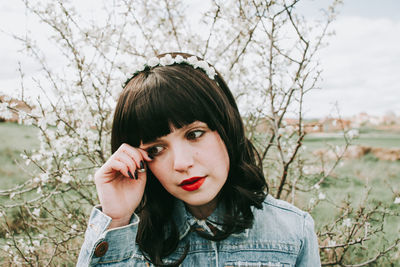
169	97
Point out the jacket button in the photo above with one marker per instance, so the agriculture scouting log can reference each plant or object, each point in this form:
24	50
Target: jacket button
101	249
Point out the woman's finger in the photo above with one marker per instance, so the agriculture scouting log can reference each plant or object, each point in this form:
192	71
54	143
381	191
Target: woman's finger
118	166
127	160
144	154
133	153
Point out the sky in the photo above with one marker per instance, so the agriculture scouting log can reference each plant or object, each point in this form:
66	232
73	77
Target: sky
361	64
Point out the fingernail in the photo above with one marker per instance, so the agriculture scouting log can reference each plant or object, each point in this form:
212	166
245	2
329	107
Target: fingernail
130	174
136	175
141	164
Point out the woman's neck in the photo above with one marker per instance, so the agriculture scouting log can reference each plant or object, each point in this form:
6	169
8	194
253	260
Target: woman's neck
203	211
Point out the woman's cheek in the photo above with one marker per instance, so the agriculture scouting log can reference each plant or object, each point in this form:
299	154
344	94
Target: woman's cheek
155	167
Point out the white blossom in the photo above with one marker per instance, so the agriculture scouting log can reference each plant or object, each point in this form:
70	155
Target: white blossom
4	111
61	128
66	178
154	61
42	123
29	121
347	222
44	177
317	186
37	157
36	243
339	150
140	67
15	259
29	249
6	114
321	196
331	243
36	212
179	59
202	64
396	200
353	133
166	60
192	61
211	72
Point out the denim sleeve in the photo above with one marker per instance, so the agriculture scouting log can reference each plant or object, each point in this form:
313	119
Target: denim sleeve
309	252
120	240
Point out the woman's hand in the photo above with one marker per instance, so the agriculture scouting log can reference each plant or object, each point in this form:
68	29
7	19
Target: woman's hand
117	187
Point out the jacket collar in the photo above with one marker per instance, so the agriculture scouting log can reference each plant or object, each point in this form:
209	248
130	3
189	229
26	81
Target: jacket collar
185	220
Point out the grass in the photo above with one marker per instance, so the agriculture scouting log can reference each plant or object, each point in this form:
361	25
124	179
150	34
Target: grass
384	140
350	181
14	139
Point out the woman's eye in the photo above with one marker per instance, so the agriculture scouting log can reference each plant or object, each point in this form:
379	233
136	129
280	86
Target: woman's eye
195	134
155	150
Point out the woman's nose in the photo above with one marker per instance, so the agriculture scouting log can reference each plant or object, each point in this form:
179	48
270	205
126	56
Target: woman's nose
183	157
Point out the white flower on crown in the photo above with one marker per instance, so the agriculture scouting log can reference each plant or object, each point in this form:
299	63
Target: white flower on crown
192	61
179	59
140	67
211	72
166	60
154	61
202	65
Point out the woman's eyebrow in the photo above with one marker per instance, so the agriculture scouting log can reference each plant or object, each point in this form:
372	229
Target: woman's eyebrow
159	139
193	124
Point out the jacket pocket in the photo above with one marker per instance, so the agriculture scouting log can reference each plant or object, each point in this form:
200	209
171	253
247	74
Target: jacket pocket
256	264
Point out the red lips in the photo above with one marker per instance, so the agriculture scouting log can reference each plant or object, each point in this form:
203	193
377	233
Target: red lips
192	183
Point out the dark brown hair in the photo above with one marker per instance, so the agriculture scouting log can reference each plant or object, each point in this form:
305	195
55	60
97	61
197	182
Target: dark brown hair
156	99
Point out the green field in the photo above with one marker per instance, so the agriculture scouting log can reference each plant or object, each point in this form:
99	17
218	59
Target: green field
14	139
378	139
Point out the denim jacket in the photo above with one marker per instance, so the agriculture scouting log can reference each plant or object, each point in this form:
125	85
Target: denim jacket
281	235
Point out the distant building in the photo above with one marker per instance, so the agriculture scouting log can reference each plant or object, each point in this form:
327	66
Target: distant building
335	124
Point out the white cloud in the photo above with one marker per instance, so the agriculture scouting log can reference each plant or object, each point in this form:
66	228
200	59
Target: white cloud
361	68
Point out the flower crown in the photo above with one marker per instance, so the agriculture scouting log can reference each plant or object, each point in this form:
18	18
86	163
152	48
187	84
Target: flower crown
168	60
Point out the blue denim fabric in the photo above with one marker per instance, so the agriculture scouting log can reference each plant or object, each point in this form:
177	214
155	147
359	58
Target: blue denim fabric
282	235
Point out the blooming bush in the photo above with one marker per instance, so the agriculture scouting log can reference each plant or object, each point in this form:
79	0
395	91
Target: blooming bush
264	49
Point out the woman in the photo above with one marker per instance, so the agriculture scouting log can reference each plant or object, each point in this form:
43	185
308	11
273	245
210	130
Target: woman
184	186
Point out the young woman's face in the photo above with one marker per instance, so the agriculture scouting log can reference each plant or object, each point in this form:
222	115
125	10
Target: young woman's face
191	163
